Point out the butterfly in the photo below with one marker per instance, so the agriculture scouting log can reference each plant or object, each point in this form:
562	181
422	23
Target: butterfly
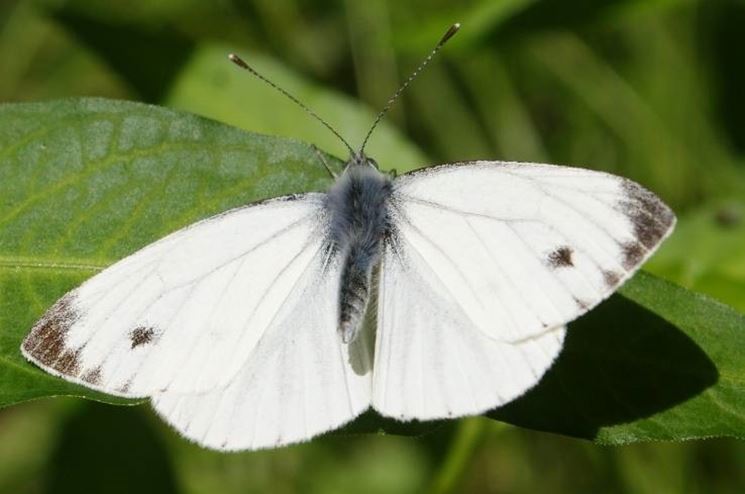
247	330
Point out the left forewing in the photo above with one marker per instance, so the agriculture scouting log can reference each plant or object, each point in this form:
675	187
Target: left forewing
185	312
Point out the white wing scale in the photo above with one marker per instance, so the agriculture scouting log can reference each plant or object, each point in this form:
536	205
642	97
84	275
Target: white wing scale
299	381
432	362
488	262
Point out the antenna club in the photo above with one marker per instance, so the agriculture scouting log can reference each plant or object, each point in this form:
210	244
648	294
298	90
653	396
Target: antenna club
242	64
449	33
445	37
237	60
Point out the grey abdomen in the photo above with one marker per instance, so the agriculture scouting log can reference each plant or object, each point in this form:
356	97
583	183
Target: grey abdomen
353	296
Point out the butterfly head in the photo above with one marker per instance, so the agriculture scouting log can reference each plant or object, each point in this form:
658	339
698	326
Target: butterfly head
359	159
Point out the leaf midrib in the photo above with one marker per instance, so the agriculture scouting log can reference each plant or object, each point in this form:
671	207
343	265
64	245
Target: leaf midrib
39	263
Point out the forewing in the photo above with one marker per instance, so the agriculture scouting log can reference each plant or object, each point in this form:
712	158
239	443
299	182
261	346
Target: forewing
299	381
521	248
184	313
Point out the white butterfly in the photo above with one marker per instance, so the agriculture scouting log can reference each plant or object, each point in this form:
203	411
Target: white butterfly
245	329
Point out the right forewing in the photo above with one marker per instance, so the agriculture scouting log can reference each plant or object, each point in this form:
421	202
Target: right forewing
520	247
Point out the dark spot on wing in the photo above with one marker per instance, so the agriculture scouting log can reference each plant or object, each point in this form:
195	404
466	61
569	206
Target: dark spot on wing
93	376
124	388
561	257
581	304
633	253
47	340
69	363
141	336
611	278
649	215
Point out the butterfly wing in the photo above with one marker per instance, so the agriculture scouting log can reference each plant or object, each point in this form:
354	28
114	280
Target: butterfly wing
299	381
488	262
184	313
430	360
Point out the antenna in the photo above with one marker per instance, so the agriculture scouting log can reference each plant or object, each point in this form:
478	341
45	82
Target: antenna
445	37
242	64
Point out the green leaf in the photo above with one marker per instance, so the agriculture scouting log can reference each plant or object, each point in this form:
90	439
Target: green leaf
707	252
657	363
85	182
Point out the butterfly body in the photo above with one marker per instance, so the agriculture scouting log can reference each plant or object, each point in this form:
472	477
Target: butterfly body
358	206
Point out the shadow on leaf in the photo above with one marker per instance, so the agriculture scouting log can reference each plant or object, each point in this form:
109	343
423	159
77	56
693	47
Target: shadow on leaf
620	363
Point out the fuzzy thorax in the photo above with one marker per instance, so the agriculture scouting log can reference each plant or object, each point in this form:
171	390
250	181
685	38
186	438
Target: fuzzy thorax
358	207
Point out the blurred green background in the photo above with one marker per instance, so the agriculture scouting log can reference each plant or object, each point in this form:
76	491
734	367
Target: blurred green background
649	89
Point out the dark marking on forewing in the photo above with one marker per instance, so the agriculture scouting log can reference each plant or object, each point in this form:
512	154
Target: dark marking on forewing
69	363
611	278
581	304
124	388
93	376
47	340
649	215
141	335
561	257
633	253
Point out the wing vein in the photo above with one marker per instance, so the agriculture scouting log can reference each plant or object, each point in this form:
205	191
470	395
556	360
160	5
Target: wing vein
242	254
505	276
263	297
460	212
450	260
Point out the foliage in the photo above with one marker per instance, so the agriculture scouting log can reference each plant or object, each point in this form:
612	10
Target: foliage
624	86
